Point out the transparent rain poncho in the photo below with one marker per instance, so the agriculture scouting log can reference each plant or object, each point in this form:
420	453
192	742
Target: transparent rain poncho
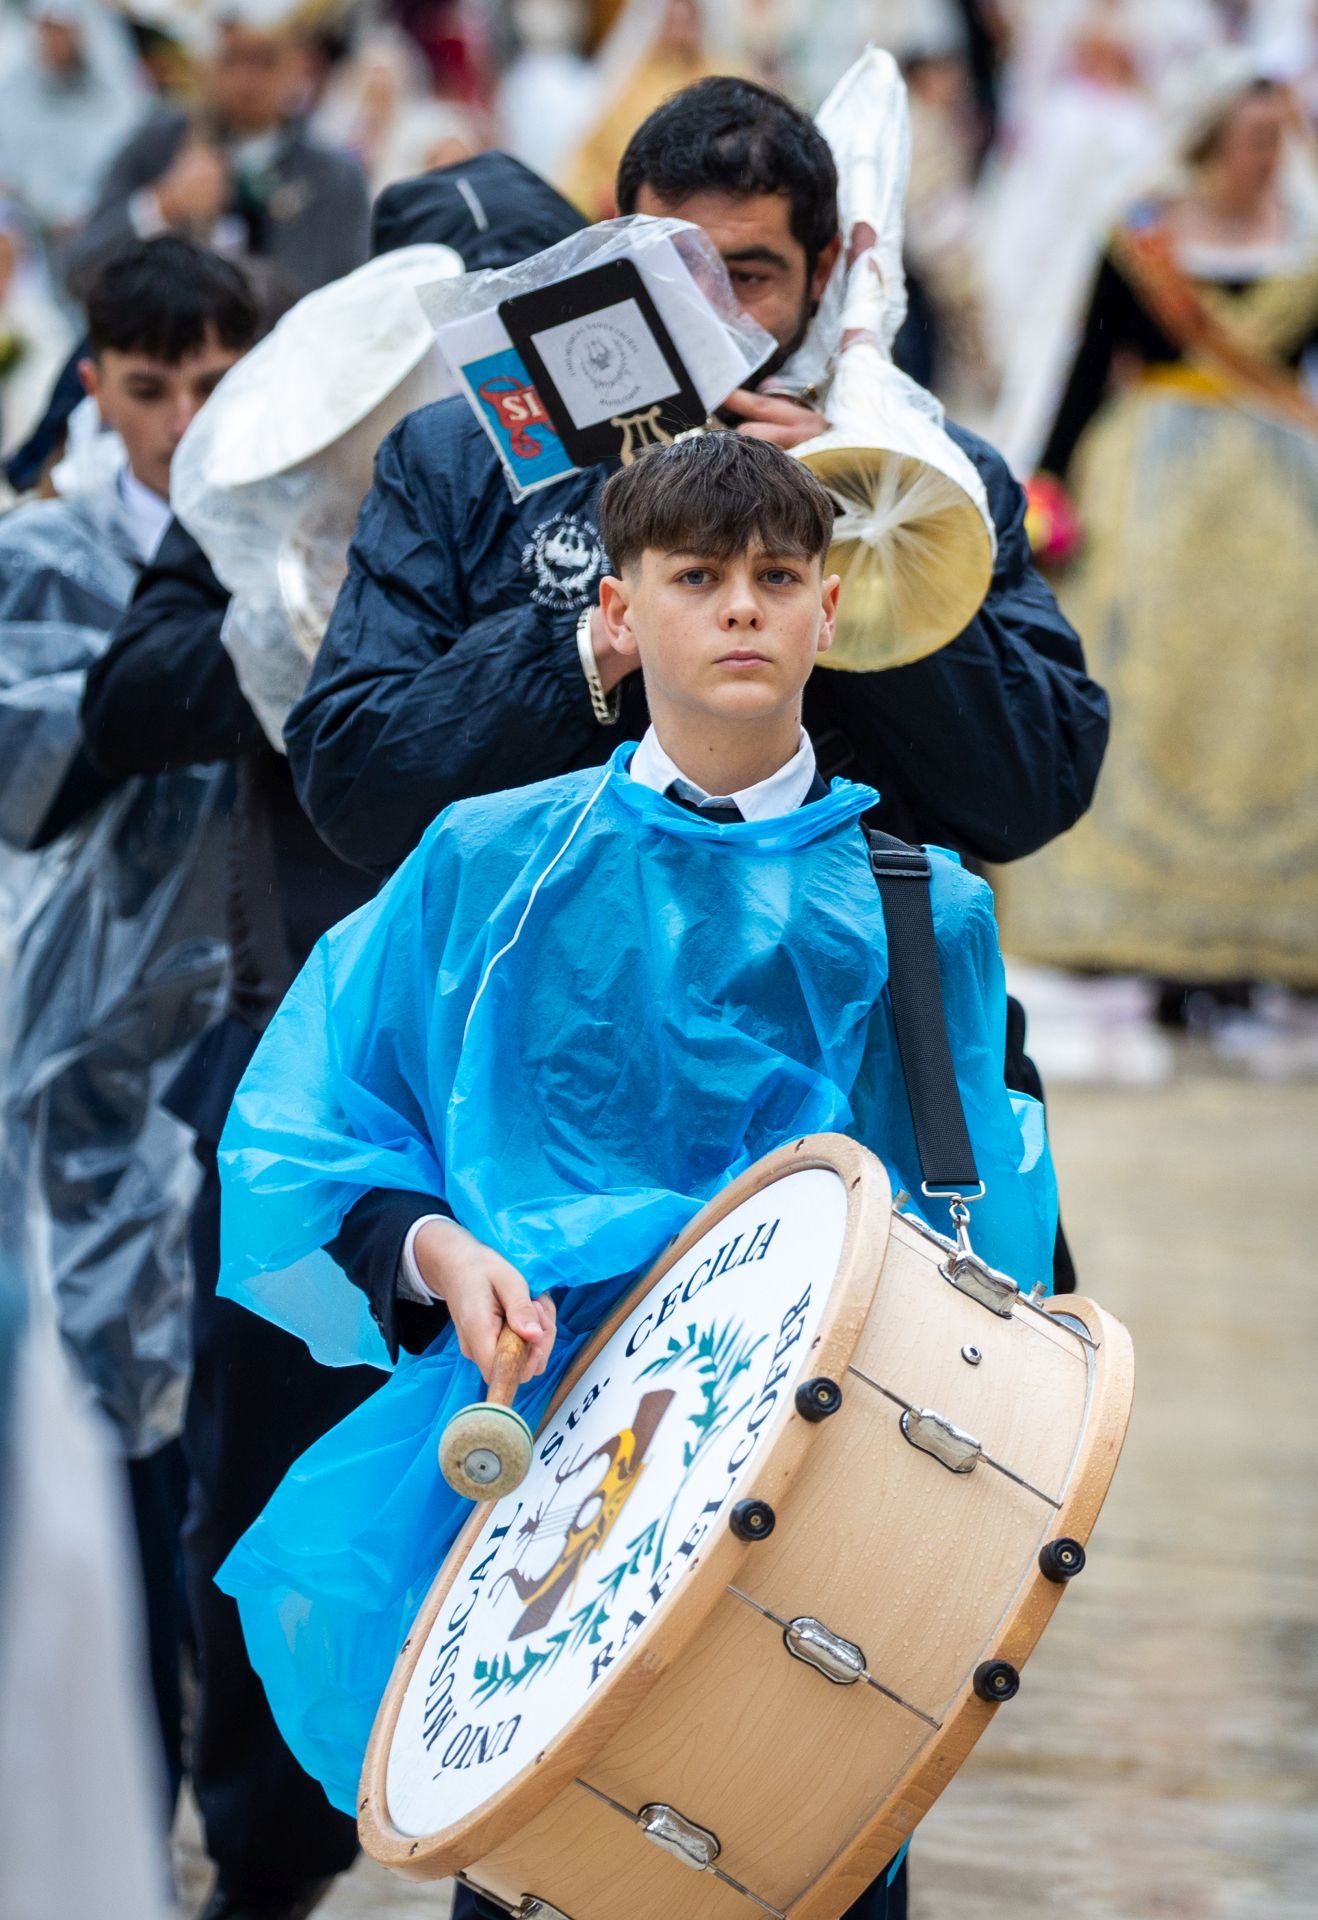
914	540
576	1012
113	961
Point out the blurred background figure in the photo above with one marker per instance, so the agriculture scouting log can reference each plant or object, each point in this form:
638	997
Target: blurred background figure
71	91
78	1774
657	48
942	344
549	92
1082	125
378	106
36	335
1188	431
238	171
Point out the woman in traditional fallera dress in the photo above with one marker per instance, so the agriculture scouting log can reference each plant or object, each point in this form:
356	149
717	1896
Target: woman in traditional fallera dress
1191	443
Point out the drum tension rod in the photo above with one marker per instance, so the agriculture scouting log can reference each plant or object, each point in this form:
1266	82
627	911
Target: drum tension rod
695	1846
934	1434
529	1907
802	1638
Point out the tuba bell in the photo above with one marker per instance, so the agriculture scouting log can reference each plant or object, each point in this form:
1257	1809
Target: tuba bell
914	540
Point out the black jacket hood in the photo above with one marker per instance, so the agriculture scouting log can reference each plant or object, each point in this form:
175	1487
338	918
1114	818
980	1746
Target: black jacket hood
491	210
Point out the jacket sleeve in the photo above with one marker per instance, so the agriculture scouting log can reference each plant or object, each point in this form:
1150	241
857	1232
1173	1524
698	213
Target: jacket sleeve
369	1246
993	744
413	704
165	693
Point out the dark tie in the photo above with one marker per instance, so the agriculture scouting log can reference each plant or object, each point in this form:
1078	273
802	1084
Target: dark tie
722	813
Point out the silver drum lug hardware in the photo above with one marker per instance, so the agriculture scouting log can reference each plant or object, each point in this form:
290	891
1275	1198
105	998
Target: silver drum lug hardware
971	1275
933	1433
971	1355
694	1846
529	1907
839	1660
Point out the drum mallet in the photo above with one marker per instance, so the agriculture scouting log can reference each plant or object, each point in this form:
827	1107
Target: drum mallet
485	1450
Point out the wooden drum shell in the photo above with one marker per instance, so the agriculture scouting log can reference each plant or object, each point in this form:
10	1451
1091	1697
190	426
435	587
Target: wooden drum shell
811	1786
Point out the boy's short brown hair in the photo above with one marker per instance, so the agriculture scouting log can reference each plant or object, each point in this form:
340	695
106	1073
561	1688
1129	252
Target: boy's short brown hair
715	494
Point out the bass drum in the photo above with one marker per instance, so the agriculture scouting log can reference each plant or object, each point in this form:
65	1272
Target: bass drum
793	1525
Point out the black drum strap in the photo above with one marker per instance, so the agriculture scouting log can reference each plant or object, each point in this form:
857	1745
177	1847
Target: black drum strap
904	876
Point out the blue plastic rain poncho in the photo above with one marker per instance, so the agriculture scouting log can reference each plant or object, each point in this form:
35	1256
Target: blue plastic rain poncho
576	1012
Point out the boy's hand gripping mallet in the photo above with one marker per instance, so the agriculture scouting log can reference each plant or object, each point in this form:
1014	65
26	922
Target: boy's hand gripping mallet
485	1450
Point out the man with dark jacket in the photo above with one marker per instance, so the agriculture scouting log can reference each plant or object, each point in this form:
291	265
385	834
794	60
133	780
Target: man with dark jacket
166	695
451	664
243	175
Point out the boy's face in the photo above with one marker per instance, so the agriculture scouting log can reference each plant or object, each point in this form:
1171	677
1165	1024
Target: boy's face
151	403
732	638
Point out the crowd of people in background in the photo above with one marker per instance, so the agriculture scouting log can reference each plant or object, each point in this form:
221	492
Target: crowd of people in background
1112	260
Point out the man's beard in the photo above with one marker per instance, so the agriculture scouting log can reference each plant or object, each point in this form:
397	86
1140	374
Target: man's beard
779	358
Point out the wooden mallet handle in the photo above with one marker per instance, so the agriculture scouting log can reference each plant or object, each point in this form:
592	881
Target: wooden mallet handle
506	1374
485	1450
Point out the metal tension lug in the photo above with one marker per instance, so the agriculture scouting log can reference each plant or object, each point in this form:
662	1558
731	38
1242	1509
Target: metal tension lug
971	1276
954	1449
694	1846
839	1660
529	1907
967	1272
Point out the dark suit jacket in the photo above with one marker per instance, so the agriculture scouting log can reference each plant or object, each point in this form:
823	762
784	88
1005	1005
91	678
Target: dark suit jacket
165	695
311	224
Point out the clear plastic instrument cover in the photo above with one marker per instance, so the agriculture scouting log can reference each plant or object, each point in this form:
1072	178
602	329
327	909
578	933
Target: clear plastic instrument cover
271	474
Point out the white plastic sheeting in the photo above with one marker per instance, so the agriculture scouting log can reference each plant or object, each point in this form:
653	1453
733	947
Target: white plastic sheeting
914	541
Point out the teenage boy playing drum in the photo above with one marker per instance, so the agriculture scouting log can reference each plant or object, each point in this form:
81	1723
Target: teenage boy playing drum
576	1011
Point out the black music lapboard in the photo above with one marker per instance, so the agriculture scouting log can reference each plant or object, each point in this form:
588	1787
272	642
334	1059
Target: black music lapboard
603	362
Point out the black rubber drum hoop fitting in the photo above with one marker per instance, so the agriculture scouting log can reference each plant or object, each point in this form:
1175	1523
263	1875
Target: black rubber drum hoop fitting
996	1680
816	1399
752	1519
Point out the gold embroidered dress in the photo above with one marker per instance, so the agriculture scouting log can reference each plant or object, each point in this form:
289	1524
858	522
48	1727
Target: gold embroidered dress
1197	597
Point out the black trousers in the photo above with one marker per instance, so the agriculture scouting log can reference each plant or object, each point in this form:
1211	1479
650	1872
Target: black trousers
258	1400
882	1902
1022	1076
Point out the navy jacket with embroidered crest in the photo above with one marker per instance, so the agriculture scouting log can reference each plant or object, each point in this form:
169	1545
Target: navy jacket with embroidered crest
450	669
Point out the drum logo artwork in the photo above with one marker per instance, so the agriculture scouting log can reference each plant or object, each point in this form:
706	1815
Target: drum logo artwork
638	1466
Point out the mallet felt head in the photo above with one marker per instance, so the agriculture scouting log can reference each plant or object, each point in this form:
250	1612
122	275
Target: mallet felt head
485	1451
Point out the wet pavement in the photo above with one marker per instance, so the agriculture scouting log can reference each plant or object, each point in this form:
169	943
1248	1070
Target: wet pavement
1161	1758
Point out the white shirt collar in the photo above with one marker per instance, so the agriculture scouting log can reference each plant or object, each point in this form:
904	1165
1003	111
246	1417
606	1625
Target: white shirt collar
146	515
783	792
